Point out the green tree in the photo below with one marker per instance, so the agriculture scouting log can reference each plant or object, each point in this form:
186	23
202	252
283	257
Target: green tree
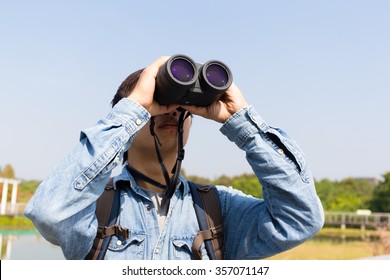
249	184
223	180
27	189
326	192
198	179
8	172
381	196
347	195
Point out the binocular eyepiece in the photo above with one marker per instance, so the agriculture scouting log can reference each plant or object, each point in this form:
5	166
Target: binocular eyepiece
182	81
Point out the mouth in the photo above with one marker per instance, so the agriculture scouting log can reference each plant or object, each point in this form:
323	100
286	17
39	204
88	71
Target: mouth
169	124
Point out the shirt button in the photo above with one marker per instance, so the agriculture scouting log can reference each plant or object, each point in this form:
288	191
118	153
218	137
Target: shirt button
116	160
157	251
119	243
138	122
148	207
280	151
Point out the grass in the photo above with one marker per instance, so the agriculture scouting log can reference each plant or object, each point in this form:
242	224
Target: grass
15	223
348	244
314	250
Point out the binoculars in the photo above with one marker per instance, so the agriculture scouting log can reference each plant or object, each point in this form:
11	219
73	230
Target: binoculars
182	81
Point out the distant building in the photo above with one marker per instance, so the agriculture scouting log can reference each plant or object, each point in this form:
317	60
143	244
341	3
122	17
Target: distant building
5	207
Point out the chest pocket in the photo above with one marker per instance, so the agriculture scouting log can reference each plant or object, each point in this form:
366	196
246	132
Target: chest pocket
183	248
134	247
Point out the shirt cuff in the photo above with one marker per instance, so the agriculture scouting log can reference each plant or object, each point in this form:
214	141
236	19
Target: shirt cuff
243	124
130	113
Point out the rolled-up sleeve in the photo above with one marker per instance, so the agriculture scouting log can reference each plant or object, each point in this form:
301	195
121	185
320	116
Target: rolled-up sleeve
290	211
63	207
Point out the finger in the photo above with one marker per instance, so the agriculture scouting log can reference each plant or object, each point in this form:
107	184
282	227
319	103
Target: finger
153	68
200	111
190	109
232	87
148	76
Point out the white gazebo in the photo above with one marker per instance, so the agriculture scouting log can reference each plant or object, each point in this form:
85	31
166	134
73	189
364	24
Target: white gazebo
11	210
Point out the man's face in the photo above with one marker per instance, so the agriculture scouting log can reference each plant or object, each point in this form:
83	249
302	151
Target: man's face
166	130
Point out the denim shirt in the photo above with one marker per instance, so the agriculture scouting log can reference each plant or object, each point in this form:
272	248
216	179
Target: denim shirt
63	207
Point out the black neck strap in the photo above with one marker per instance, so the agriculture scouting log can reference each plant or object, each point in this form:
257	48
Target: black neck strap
180	155
170	182
138	175
157	143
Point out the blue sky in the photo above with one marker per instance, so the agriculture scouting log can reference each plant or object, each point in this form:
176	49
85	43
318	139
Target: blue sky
318	69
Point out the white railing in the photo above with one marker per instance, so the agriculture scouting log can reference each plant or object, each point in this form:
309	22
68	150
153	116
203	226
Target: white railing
354	219
16	209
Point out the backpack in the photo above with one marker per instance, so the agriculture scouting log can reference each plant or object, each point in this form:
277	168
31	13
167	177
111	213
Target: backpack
207	208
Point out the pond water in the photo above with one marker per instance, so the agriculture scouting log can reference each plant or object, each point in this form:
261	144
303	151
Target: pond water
30	245
27	245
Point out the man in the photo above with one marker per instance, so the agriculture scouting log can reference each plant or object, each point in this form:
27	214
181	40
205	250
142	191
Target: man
63	207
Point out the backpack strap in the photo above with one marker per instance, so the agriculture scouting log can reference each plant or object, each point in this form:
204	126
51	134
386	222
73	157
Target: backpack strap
208	211
107	210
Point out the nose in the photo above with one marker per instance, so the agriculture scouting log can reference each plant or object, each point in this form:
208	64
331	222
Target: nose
173	113
177	112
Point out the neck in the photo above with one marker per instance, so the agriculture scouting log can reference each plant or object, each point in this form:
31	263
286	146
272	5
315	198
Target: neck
148	165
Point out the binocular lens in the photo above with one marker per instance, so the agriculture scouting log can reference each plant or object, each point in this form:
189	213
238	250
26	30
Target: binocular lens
217	75
182	70
183	81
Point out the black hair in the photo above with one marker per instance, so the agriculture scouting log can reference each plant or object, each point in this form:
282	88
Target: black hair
126	87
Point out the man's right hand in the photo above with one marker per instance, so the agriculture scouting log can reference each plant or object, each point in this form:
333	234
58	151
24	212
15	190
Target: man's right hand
144	90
